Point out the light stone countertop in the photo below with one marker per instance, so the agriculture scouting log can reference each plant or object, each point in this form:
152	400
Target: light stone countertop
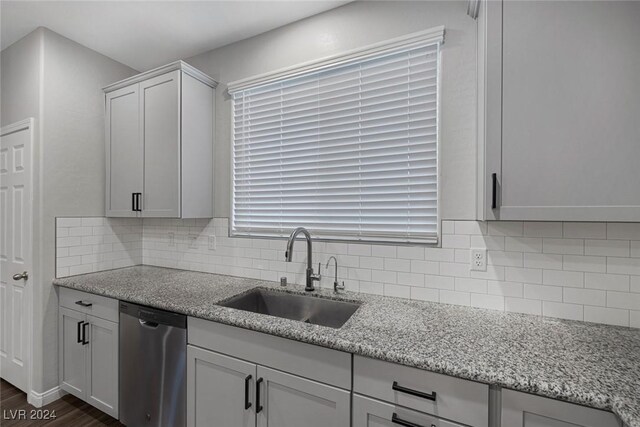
585	363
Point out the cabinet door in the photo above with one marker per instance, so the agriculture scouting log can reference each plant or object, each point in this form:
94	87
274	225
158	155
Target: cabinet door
284	400
374	413
72	363
220	390
123	151
567	128
526	410
160	113
102	365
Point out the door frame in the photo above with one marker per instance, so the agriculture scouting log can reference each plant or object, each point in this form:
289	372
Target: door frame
29	125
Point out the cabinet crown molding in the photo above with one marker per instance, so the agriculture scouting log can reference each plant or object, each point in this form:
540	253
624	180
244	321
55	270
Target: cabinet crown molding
177	65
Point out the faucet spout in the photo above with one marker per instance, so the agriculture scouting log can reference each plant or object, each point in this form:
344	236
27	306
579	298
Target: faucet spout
311	276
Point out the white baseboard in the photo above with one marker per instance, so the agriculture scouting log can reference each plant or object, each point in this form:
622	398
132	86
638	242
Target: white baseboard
42	399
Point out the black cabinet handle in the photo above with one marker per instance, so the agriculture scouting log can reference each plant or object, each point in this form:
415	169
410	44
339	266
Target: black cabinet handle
494	190
428	396
138	199
78	332
397	420
84	334
84	304
133	202
258	406
247	404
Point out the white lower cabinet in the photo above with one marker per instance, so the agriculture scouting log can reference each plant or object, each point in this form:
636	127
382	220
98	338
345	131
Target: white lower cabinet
369	412
88	350
242	378
225	391
284	400
220	390
527	410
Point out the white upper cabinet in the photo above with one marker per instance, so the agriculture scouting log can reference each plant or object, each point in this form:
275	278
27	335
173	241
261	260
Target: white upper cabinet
559	107
159	144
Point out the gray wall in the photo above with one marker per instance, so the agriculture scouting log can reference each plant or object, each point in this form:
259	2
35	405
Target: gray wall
351	26
70	116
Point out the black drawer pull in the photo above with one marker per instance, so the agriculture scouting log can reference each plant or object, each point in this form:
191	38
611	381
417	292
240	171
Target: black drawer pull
84	334
78	332
494	190
397	420
247	404
258	405
429	396
84	304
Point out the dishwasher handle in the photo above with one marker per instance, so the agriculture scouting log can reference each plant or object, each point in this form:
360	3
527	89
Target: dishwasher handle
148	323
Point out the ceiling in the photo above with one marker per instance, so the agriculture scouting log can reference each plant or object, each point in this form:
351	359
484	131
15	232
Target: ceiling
147	34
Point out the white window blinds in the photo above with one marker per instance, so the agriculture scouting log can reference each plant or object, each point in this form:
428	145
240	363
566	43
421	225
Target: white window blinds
348	151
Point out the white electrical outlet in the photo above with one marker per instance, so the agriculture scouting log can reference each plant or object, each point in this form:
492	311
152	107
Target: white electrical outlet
171	237
212	243
478	260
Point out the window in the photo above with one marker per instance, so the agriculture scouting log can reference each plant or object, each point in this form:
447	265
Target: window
347	149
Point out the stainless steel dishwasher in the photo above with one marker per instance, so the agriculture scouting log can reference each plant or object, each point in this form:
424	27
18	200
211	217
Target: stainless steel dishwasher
153	361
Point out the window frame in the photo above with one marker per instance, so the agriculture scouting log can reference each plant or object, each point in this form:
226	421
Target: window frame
431	36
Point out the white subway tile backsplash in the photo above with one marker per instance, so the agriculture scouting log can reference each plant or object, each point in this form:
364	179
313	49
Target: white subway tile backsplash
528	275
587	271
607	282
542	292
610	316
623	231
521	305
547	261
505	228
584	296
623	265
491	302
464	284
543	229
585	230
635	248
425	294
523	244
630	301
584	263
563	246
507	289
634	319
607	247
562	310
454	297
89	244
572	279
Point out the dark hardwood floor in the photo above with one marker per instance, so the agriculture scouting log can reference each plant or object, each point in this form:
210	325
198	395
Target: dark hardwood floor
69	411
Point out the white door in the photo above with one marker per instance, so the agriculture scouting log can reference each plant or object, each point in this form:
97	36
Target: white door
284	400
220	390
15	250
160	110
102	365
124	152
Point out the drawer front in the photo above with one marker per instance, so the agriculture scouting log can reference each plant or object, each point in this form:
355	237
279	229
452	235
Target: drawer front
305	360
94	305
368	412
463	401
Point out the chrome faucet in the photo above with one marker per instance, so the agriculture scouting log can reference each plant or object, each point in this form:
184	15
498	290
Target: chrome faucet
336	286
311	276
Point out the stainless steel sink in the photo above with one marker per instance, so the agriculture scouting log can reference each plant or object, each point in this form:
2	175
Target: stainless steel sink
308	309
